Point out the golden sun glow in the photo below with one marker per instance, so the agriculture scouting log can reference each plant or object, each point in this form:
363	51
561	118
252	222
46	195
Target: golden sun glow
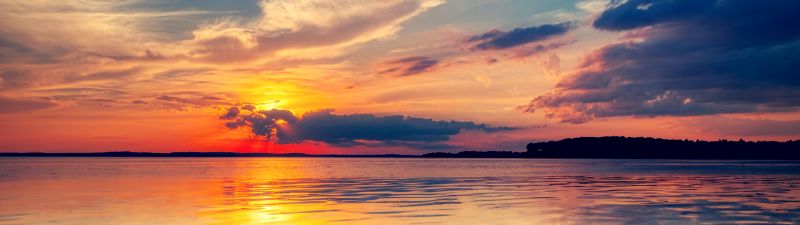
270	104
73	72
286	95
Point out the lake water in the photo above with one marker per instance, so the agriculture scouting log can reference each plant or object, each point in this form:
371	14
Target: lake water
388	191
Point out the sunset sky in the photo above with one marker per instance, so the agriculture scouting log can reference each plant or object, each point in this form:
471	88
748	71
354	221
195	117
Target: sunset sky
391	76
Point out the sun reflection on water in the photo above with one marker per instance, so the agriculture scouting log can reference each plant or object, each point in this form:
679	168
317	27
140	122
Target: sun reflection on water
395	191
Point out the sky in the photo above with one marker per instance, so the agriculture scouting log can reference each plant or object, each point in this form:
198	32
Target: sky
392	76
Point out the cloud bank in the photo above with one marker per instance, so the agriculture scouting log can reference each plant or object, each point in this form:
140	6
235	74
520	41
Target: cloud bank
685	57
283	127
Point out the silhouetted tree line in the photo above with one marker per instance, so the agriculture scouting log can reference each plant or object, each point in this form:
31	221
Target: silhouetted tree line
643	148
657	148
583	147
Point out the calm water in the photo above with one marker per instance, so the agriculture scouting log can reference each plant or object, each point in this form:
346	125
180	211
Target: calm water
395	191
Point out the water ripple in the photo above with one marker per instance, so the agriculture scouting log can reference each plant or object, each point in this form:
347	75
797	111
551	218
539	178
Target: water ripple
397	191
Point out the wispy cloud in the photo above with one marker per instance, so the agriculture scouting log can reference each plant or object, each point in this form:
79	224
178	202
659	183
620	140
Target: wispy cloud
8	105
410	66
497	39
303	27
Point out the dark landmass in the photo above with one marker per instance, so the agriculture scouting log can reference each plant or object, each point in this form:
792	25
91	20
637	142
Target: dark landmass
645	148
583	147
187	154
656	148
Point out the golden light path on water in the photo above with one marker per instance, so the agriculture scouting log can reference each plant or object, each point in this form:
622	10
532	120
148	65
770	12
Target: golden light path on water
395	191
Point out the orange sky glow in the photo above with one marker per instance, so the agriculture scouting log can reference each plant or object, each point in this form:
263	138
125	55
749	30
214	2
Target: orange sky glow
137	75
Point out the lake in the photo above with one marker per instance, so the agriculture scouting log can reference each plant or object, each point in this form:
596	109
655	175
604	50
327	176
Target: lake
396	191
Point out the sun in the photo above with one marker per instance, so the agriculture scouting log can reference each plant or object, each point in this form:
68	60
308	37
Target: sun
270	104
284	96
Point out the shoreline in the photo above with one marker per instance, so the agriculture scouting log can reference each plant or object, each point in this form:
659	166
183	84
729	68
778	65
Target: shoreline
609	147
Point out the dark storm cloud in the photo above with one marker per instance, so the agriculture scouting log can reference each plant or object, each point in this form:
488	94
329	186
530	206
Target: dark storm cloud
695	57
497	39
249	107
324	126
410	66
9	105
640	13
232	113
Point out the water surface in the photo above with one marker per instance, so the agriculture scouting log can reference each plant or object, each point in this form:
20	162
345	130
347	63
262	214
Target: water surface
396	191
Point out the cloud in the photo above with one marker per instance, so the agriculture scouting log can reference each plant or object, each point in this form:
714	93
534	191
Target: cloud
140	30
410	66
516	41
180	73
9	105
284	127
497	39
592	6
685	57
556	16
173	99
187	101
105	75
537	49
182	102
639	13
232	113
299	25
40	31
